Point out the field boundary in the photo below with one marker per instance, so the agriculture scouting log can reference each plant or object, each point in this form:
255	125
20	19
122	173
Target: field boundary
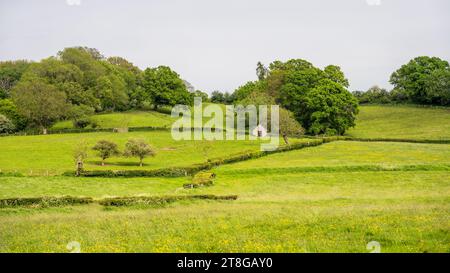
332	169
51	201
193	169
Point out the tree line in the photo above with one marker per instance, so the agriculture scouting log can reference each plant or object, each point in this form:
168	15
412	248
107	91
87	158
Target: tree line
78	82
423	80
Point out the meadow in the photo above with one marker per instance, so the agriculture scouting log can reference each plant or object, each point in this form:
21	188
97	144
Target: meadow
336	197
126	119
402	121
35	155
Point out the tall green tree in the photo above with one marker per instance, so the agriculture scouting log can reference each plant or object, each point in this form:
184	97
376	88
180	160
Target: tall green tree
165	87
10	74
415	79
261	71
41	103
293	85
9	110
334	73
329	109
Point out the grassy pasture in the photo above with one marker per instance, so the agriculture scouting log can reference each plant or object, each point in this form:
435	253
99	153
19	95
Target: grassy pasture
339	212
37	154
308	200
135	119
410	122
350	153
126	119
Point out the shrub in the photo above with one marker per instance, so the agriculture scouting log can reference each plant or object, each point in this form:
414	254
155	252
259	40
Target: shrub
6	126
81	123
201	179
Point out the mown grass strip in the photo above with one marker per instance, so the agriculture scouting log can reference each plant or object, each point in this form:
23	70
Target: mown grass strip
424	141
331	169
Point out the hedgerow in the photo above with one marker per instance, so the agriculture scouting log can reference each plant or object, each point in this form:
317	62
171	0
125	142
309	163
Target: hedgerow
159	200
45	201
193	169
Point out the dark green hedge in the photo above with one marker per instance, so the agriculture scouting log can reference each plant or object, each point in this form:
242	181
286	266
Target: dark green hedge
191	170
9	174
159	200
44	201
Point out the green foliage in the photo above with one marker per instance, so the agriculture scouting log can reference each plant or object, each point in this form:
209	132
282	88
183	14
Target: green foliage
41	103
111	90
201	179
42	202
321	105
318	99
6	126
138	148
9	109
288	125
217	97
225	98
159	200
334	73
245	90
375	95
165	87
202	95
424	80
105	149
261	71
10	74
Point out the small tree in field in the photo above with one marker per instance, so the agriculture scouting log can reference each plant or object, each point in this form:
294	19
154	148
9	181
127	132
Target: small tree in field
288	125
138	148
105	149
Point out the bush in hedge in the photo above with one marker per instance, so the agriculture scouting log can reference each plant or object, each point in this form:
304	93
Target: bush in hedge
201	179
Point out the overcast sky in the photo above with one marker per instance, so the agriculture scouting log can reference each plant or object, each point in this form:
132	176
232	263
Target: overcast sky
215	44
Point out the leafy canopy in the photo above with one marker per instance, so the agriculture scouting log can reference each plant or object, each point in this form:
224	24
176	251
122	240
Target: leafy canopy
138	148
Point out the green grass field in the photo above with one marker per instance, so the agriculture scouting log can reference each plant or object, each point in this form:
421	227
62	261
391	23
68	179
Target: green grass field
410	122
36	155
339	212
336	197
126	119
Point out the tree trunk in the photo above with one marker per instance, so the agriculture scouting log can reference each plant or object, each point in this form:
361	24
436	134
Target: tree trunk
140	163
103	162
44	131
285	139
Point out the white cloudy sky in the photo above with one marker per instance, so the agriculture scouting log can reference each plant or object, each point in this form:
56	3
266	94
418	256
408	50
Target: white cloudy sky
215	44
